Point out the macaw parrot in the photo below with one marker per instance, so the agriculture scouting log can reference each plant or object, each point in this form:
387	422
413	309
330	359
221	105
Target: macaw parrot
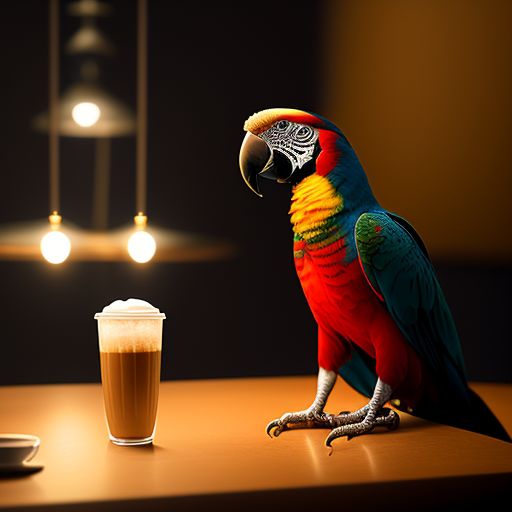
383	322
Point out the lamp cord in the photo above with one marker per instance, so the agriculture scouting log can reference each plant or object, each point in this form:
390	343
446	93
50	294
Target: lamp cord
142	105
53	89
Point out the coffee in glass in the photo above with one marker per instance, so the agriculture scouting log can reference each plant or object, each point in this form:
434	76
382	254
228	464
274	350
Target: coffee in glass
130	342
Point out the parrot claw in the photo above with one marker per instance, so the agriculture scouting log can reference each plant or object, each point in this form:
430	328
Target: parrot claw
271	426
354	429
385	417
391	420
309	418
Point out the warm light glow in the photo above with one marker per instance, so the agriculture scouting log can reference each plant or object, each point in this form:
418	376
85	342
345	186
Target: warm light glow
86	114
55	247
141	246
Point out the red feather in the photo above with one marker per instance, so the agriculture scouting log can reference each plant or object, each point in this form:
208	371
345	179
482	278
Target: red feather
349	312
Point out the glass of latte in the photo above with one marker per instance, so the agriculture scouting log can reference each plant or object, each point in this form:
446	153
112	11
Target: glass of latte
130	343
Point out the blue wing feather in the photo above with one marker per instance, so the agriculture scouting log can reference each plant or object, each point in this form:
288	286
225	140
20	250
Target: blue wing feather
396	264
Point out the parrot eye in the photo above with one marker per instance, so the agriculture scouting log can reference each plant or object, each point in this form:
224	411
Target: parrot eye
304	134
282	125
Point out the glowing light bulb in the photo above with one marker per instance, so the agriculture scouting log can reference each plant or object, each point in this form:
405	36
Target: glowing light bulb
141	246
55	247
86	114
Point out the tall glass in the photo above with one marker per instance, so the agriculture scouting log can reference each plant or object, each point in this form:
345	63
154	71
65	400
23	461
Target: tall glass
130	343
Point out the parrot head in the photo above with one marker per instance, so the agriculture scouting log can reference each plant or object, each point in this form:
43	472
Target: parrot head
286	145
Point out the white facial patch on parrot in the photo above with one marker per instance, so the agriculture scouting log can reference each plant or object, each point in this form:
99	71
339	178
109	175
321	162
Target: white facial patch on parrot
296	141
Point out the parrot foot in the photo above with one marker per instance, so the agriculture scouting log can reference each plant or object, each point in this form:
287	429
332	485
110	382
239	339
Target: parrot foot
347	417
308	418
385	417
312	417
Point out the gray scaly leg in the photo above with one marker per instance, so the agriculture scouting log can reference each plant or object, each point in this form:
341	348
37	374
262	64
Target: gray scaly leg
313	416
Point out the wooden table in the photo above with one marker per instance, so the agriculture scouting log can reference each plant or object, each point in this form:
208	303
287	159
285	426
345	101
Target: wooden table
211	453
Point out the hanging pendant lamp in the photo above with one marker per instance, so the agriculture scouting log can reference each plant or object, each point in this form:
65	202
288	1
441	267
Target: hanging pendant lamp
141	244
55	245
20	240
86	108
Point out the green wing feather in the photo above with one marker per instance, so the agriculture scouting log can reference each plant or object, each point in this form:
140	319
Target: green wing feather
397	267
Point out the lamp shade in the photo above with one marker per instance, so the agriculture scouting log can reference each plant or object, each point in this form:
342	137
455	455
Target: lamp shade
115	119
90	40
89	8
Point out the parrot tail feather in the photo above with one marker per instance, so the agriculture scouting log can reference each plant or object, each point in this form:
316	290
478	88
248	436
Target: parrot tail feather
484	421
467	411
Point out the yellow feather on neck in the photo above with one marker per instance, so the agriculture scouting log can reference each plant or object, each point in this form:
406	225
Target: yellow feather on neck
314	201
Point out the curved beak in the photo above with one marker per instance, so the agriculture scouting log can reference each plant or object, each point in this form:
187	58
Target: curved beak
255	158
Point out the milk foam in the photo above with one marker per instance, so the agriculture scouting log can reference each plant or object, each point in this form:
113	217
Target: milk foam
132	325
130	307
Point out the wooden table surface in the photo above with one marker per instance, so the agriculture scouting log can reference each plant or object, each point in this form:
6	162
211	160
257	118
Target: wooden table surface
211	452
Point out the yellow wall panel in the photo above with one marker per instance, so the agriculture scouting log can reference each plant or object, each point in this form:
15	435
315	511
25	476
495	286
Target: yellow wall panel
423	90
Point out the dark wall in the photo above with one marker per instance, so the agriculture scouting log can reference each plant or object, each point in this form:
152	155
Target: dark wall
211	65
